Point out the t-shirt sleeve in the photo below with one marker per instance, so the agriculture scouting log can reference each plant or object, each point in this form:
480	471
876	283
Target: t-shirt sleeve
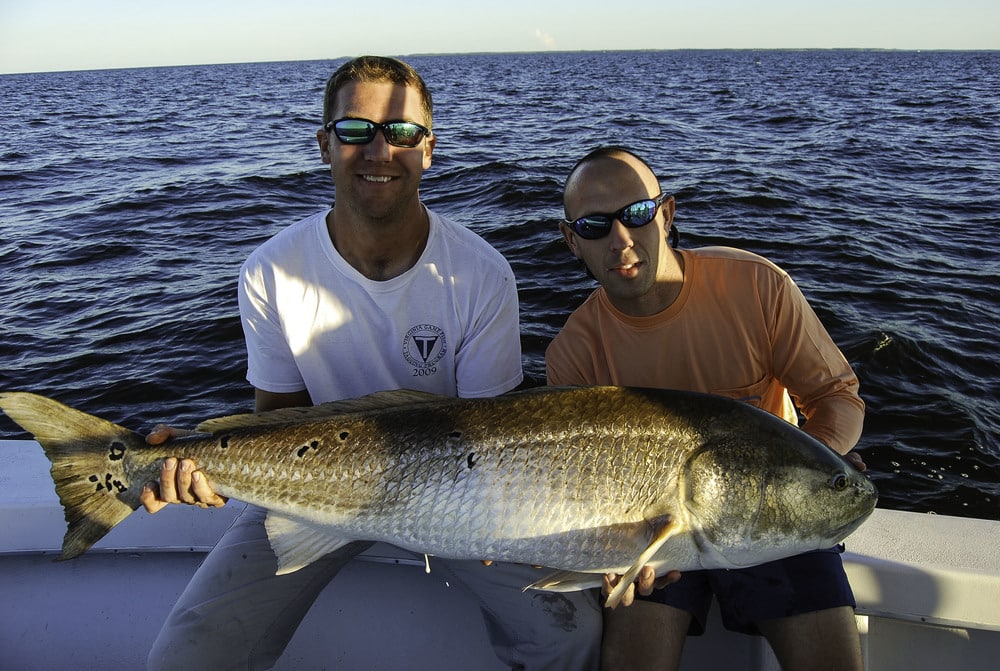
560	367
813	369
270	362
489	361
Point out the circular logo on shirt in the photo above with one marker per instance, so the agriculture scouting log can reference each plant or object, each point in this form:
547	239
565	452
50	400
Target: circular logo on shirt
424	345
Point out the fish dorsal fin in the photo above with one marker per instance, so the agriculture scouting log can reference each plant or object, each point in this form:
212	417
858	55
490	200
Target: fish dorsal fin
377	401
297	543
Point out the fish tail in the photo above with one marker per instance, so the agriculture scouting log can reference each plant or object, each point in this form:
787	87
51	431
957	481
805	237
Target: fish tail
89	465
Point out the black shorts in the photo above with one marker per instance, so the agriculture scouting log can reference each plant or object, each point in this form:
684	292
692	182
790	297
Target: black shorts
801	584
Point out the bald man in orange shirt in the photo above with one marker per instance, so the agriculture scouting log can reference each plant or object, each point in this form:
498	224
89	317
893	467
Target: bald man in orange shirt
722	321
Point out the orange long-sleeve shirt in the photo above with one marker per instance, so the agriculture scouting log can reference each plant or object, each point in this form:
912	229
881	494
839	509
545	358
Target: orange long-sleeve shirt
739	328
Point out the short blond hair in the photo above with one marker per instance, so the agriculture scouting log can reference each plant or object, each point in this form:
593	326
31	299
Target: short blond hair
376	69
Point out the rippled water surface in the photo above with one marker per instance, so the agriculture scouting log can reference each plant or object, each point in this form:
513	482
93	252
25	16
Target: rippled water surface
129	198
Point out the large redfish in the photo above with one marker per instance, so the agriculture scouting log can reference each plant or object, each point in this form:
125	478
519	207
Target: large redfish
584	480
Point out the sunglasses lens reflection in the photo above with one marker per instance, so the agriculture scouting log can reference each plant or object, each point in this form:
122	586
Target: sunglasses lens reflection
354	131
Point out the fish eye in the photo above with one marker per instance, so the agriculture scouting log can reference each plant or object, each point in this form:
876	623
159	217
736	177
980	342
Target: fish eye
840	482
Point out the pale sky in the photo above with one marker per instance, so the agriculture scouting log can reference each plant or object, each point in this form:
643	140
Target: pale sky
44	35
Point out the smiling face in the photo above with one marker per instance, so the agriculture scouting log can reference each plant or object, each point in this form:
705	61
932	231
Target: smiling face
636	266
377	181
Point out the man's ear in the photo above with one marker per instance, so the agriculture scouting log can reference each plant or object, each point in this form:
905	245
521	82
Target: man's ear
569	237
668	206
323	138
429	144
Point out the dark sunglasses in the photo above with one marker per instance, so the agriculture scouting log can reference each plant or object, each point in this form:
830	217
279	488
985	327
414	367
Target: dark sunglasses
362	131
636	215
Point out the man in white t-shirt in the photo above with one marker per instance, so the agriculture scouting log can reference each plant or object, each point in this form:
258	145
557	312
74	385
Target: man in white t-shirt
372	294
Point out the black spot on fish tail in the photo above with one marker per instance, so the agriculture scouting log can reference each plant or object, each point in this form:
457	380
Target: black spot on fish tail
109	483
117	451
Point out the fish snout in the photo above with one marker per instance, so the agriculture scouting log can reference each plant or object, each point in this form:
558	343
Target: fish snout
755	503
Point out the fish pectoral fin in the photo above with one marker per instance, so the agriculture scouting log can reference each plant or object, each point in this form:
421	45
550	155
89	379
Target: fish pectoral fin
297	543
566	581
667	528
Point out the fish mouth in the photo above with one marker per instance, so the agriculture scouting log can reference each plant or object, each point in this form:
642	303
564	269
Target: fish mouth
846	530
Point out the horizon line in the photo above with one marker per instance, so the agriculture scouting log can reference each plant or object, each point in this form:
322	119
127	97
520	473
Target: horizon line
498	52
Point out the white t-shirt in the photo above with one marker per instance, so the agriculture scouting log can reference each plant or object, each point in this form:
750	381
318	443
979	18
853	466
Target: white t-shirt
448	325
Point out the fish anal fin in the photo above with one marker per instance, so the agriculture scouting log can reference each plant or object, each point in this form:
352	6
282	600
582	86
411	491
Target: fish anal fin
566	581
297	543
664	528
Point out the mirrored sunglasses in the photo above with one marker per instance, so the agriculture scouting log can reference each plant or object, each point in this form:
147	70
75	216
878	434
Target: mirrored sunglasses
636	215
362	131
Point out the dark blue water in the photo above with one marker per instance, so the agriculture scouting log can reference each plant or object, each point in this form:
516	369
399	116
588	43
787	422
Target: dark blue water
129	198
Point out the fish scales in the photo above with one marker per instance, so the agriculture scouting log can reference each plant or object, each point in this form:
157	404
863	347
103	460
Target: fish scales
450	481
580	479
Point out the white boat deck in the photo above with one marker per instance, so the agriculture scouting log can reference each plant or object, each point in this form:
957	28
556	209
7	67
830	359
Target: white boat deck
928	589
